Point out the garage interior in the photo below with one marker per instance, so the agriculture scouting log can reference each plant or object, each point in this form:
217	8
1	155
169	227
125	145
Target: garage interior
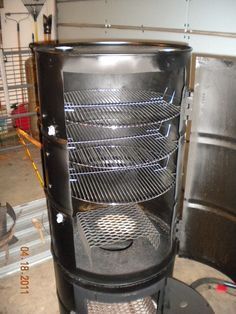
203	26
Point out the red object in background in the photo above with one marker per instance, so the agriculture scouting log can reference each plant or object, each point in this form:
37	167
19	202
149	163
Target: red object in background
24	122
221	288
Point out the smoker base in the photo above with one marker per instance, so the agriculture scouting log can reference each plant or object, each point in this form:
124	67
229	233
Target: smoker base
171	297
73	295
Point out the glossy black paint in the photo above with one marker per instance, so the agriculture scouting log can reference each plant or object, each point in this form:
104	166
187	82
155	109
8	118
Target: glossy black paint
147	67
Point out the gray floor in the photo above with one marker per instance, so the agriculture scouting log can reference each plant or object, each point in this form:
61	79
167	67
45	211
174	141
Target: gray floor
18	185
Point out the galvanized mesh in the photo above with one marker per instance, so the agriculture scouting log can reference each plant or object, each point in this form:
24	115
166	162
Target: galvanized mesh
116	224
141	306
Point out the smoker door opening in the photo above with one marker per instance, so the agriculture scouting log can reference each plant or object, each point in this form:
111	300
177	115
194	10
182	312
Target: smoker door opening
122	156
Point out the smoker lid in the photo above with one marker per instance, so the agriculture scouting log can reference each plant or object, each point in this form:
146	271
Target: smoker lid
114	47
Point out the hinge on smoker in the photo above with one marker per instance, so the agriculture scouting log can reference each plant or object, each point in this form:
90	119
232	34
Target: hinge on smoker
188	104
178	229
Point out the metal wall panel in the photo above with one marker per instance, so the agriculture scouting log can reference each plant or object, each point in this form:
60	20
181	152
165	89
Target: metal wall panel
72	34
154	13
212	15
208	26
164	13
161	13
209	214
81	12
216	20
216	45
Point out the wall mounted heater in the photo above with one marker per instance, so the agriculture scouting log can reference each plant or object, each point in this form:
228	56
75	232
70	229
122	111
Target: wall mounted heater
112	126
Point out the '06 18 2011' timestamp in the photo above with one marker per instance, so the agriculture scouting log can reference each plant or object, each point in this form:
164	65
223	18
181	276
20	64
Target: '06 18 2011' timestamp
24	269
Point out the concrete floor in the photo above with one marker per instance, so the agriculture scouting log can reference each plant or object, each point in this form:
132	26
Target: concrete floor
18	185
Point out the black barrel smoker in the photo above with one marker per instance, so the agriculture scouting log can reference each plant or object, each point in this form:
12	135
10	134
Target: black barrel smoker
112	129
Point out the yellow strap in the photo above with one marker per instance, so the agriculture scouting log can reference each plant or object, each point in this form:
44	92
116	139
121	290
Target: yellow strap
29	138
30	158
36	36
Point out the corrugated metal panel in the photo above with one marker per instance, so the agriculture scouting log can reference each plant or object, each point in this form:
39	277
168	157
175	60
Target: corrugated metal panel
27	236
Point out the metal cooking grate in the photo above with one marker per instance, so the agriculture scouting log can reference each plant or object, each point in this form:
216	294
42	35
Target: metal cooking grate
140	306
121	186
97	97
97	107
117	224
128	116
123	153
79	134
